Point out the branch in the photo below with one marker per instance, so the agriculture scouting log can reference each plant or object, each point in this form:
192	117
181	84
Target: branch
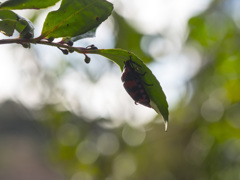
46	42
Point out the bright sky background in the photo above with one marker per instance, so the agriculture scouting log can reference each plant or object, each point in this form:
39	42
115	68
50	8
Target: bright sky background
107	97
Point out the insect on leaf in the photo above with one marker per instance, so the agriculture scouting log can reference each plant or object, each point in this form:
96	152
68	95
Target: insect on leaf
155	93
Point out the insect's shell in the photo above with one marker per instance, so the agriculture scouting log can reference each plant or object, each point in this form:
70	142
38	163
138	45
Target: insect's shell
134	85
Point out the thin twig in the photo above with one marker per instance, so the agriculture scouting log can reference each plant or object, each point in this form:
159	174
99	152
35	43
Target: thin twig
45	42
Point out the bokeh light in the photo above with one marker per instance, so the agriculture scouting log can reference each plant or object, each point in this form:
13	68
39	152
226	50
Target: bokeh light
87	152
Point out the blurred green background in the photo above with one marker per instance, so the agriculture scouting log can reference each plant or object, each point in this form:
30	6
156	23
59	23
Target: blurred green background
47	133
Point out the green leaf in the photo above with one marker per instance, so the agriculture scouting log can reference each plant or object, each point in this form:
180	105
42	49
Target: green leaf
7	27
8	22
76	17
11	21
25	28
27	4
6	14
155	93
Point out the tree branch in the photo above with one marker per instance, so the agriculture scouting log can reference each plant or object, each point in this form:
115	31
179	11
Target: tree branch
46	42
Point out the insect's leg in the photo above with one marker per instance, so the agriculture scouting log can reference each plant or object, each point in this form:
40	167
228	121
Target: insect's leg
147	84
135	63
141	74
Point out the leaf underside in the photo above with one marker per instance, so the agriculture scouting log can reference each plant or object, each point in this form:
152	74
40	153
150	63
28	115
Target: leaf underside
27	4
7	27
76	17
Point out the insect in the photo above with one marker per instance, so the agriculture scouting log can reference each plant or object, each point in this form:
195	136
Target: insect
133	83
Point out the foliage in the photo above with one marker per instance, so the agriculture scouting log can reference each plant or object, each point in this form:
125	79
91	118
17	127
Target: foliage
75	19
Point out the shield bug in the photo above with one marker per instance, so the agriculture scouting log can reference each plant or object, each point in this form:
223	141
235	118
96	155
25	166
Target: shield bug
133	83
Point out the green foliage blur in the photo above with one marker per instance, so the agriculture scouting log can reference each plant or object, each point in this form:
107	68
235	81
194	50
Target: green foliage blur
203	140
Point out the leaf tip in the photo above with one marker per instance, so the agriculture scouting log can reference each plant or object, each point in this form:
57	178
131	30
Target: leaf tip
163	113
166	125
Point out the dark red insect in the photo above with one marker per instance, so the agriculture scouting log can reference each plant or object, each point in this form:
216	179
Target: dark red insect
133	83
